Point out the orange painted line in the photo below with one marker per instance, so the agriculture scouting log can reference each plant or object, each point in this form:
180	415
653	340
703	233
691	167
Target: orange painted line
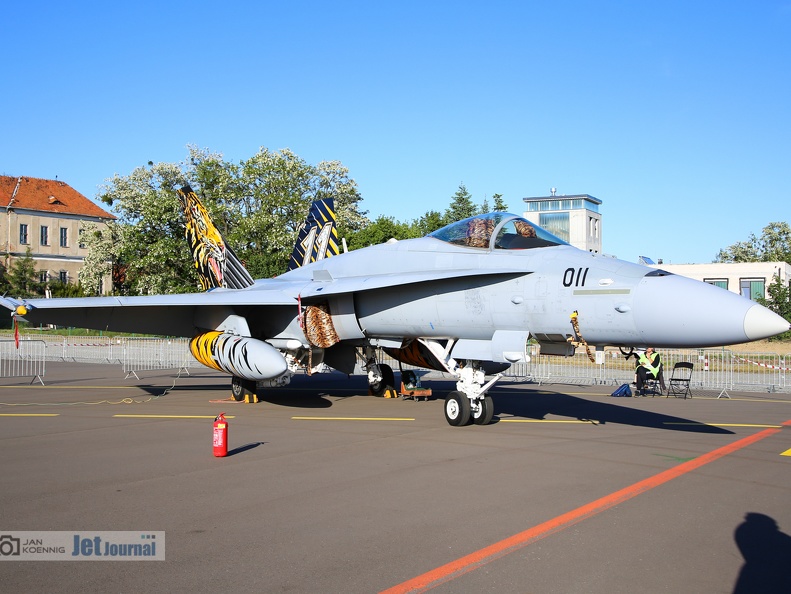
468	563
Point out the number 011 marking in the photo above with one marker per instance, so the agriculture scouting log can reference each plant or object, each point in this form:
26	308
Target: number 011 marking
575	276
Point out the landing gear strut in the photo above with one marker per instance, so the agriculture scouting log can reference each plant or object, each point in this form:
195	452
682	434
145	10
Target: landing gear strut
470	401
380	377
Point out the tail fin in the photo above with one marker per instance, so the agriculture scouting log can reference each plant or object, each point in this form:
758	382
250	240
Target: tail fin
217	264
318	238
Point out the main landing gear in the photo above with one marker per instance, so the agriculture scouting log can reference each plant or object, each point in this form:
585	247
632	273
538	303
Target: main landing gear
242	389
380	379
380	376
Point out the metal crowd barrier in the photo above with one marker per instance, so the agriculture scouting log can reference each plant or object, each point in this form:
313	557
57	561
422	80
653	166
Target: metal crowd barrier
144	354
715	370
28	359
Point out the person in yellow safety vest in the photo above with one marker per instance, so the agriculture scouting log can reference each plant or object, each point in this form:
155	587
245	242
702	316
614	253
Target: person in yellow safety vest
648	363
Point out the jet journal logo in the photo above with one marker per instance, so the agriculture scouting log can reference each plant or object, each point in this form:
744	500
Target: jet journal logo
82	546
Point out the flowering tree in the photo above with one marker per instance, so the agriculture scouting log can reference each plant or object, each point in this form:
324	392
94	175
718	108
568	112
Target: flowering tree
257	204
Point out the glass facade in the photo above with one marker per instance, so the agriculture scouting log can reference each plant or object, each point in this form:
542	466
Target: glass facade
561	204
556	223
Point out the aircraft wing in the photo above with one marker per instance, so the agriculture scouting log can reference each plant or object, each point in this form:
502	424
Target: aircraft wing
180	315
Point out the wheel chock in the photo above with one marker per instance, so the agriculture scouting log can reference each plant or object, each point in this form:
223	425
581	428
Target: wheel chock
390	393
250	398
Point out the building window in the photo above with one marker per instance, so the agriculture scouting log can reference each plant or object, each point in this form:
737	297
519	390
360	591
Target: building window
81	238
593	227
722	283
752	288
64	237
23	233
43	276
63	276
44	235
556	223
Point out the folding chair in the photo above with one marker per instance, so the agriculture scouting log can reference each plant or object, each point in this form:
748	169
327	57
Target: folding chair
679	381
655	385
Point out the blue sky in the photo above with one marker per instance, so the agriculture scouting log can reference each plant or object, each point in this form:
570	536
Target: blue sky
675	114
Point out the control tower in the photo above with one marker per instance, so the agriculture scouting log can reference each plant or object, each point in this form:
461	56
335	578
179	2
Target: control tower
573	218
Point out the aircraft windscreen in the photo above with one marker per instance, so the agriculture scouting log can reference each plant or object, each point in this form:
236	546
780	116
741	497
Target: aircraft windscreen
511	232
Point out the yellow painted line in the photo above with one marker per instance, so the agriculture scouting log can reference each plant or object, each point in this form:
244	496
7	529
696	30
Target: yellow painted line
29	414
786	453
728	425
172	416
352	419
586	422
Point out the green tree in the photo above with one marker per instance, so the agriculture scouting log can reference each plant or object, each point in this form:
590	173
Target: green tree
102	254
5	285
461	206
257	204
148	237
380	231
774	245
499	203
23	277
779	301
428	223
60	289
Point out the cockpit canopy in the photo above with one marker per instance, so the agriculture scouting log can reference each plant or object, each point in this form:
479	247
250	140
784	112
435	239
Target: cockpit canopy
497	230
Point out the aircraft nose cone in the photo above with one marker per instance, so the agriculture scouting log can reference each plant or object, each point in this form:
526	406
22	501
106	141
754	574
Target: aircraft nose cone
760	322
674	311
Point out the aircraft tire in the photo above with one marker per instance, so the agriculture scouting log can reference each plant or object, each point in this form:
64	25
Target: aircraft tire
388	381
241	388
485	412
457	409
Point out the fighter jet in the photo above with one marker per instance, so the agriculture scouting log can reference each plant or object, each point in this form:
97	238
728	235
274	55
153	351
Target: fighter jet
464	300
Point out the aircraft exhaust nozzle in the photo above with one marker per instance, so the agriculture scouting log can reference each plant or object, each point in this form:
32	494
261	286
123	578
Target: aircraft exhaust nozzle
244	357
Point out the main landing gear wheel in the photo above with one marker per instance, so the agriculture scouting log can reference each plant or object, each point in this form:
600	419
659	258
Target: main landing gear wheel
457	409
241	388
387	382
482	415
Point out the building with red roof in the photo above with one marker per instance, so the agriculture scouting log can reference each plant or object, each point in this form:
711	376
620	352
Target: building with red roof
45	216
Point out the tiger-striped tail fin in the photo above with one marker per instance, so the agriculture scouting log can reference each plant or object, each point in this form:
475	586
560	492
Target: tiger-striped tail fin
216	262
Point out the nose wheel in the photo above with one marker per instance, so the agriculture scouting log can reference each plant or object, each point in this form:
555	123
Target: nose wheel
482	411
457	409
470	402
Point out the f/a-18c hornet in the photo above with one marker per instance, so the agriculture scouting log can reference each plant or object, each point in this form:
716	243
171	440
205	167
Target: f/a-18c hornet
463	300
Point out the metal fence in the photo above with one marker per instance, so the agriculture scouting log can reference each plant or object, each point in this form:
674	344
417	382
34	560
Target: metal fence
715	370
26	360
144	354
133	354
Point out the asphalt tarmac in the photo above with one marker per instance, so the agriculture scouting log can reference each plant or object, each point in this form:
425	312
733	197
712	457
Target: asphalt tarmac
327	489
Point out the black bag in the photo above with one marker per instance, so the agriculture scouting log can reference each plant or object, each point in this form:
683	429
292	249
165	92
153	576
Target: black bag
624	391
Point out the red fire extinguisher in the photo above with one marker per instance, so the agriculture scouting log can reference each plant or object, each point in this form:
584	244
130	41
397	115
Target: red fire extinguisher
220	436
